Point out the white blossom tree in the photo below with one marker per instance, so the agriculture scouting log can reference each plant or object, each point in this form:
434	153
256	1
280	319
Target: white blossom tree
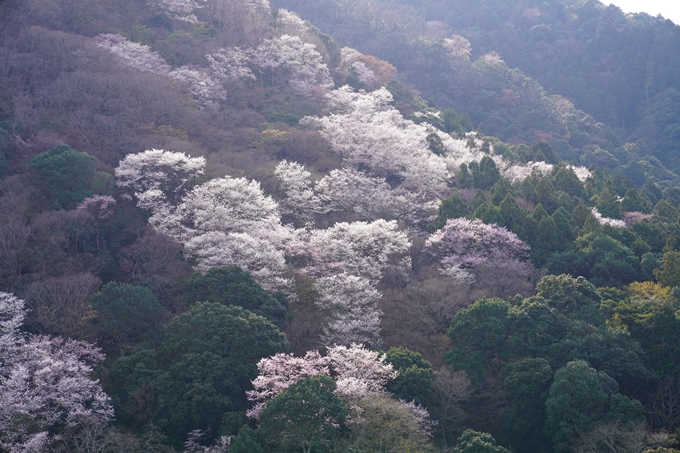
203	87
362	249
225	221
178	9
307	73
615	223
129	53
348	260
230	64
46	393
359	371
371	135
165	171
353	302
348	190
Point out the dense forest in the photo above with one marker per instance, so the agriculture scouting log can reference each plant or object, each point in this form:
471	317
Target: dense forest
361	226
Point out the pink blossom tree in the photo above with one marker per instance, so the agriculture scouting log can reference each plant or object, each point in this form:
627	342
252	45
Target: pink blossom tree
463	244
279	372
46	393
358	372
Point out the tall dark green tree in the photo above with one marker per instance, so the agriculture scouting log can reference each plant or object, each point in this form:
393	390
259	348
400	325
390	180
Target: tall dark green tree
209	355
528	381
233	286
128	313
307	416
66	173
414	382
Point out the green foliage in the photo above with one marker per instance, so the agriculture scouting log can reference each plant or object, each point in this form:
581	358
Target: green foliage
544	194
665	212
476	442
528	381
465	179
307	415
233	286
546	242
634	201
650	314
195	392
608	204
566	180
477	333
486	174
387	425
210	355
499	191
544	153
454	123
435	144
130	388
128	313
533	328
602	259
669	273
414	382
578	398
246	442
103	183
450	208
575	298
67	174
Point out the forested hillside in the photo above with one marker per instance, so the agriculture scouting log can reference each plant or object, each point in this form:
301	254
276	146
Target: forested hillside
371	227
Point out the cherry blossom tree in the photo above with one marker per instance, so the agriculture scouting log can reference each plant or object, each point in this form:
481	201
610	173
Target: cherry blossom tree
46	394
606	220
225	221
178	9
357	371
279	372
348	260
309	75
258	256
129	53
353	302
290	23
204	83
165	171
300	202
230	64
203	87
372	135
462	244
362	249
348	190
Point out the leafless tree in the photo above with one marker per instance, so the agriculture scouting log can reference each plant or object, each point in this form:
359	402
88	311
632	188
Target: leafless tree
15	232
155	260
613	437
450	390
664	407
61	305
436	300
